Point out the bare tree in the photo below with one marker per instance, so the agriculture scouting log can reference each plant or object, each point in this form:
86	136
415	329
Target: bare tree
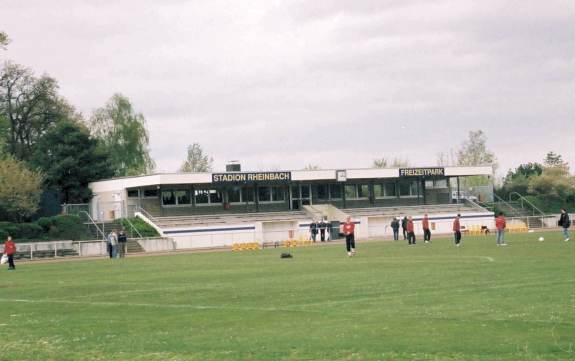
312	167
196	160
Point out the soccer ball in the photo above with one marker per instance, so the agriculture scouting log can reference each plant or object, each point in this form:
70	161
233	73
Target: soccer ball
541	239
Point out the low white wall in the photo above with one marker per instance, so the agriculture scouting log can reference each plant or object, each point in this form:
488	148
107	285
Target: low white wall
157	244
92	248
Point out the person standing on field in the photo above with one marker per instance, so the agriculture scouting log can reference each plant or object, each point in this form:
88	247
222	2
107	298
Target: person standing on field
500	224
349	232
313	230
426	230
322	226
410	231
404	227
395	227
565	223
457	230
122	243
113	244
9	250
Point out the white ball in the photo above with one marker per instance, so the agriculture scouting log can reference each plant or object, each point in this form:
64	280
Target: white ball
541	239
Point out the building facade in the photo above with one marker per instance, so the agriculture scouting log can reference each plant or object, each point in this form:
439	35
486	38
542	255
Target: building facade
183	194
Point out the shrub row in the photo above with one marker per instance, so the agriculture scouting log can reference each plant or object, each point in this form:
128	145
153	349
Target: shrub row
46	228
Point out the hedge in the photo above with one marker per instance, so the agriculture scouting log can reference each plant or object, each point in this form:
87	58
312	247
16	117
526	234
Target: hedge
60	227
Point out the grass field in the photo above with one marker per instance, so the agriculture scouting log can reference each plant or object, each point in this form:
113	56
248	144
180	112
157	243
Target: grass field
390	302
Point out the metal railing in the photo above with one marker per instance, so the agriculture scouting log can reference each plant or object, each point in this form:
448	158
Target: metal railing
100	231
524	201
133	228
145	213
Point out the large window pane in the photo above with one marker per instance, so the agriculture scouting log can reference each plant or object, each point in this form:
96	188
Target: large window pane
248	194
441	183
182	197
414	186
378	190
150	193
168	198
390	190
278	194
305	191
234	195
202	196
322	192
335	191
362	191
264	194
215	196
404	189
350	191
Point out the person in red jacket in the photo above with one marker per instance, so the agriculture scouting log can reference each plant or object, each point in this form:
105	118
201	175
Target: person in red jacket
10	249
348	230
426	230
410	231
457	230
500	224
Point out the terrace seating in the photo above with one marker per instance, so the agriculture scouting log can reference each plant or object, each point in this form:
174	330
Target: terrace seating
215	220
412	210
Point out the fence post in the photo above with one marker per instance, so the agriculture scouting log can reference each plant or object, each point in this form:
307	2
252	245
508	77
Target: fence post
31	253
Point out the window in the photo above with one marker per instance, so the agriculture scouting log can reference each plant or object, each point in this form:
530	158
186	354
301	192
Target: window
150	193
175	197
350	191
202	196
215	196
408	189
133	193
264	194
335	191
390	190
235	195
168	198
441	184
182	197
247	194
322	192
278	194
362	191
378	190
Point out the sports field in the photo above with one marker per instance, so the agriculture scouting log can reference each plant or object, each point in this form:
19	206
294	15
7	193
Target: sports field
390	302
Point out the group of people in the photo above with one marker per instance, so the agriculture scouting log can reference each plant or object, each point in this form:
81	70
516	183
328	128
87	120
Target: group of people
117	244
409	229
321	227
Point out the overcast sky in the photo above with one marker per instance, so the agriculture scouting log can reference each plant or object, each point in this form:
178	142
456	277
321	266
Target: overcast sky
338	83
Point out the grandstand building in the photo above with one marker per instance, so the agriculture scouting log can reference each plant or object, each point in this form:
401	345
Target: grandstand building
267	206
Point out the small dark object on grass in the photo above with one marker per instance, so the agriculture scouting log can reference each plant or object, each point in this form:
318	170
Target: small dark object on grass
286	255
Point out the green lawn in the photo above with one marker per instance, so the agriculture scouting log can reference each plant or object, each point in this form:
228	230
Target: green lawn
390	302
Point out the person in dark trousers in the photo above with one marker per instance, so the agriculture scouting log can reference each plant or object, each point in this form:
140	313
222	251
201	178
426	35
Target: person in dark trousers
395	227
112	244
457	230
426	230
565	223
122	243
404	227
9	250
500	224
410	231
313	230
349	232
322	226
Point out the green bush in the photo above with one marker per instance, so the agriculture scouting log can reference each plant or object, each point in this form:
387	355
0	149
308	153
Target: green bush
46	229
144	228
